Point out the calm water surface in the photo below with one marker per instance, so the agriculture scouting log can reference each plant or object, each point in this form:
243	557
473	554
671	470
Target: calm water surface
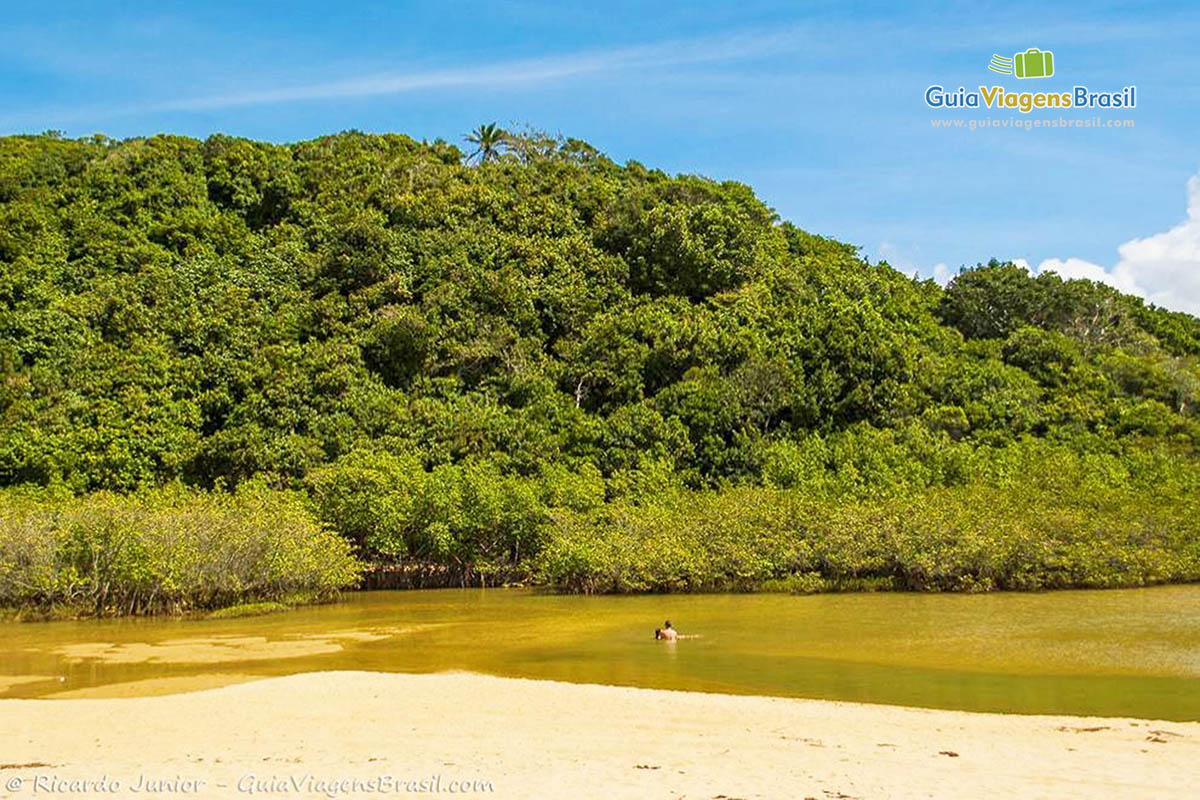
1127	653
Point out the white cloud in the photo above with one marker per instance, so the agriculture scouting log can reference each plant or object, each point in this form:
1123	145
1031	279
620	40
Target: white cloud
1164	268
537	70
1078	268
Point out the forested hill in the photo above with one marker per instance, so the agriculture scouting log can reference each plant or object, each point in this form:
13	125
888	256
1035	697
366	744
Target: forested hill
370	306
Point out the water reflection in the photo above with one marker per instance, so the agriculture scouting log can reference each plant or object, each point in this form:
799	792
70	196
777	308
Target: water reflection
1133	652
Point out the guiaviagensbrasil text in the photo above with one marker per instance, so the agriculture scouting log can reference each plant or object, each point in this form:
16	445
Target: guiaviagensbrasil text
996	97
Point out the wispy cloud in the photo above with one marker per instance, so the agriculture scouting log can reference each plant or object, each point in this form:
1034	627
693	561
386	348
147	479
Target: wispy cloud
658	55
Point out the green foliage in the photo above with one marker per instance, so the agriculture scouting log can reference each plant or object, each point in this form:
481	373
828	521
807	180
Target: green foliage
249	610
167	549
470	515
488	140
1048	356
458	362
976	538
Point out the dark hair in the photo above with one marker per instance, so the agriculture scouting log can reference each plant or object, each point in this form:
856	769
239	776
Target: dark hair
667	624
658	633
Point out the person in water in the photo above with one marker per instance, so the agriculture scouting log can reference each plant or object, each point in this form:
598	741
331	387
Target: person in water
666	632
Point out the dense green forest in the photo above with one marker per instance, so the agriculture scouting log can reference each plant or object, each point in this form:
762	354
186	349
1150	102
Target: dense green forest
534	361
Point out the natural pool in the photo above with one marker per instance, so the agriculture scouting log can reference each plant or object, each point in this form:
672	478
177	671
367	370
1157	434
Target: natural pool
1126	652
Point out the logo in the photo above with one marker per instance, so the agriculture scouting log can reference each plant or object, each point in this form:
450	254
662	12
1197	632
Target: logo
1033	63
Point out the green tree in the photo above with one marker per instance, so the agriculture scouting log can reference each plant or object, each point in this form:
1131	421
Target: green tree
488	140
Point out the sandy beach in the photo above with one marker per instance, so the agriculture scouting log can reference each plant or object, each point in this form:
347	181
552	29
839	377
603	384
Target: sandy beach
363	734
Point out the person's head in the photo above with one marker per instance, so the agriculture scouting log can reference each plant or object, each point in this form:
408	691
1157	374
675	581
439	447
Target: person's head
658	633
667	624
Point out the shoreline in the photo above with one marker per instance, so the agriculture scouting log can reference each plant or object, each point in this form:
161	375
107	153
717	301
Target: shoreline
25	615
534	738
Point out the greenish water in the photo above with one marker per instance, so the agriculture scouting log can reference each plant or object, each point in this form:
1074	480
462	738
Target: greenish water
1117	653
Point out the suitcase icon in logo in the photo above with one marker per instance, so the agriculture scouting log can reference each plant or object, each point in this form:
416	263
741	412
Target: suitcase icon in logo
1034	63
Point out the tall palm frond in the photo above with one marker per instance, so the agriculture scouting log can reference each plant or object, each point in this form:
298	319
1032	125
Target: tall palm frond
488	139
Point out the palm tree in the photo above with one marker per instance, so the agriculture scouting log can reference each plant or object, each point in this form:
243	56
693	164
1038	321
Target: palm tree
488	140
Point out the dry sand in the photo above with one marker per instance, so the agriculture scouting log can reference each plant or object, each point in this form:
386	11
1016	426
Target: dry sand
298	735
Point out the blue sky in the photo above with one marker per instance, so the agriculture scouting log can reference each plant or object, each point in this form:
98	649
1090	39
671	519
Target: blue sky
818	106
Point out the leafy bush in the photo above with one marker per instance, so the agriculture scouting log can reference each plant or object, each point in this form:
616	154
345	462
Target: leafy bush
166	550
975	538
470	515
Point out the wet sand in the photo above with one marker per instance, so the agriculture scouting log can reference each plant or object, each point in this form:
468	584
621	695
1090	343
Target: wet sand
315	734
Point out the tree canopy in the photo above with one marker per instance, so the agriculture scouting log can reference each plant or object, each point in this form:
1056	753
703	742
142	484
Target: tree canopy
535	322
